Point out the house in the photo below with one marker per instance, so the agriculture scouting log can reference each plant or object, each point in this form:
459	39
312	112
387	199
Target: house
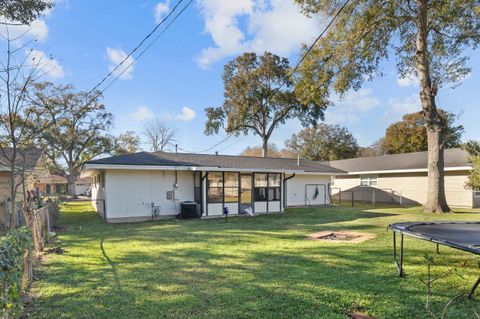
32	162
144	186
83	185
403	178
52	185
58	185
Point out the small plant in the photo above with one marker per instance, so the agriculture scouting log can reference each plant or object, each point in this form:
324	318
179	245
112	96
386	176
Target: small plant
432	279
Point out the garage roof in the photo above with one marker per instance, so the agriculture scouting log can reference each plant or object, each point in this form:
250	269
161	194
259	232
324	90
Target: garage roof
188	160
455	158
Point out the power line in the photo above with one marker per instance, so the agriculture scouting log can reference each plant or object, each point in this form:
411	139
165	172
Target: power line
208	149
148	46
310	48
137	47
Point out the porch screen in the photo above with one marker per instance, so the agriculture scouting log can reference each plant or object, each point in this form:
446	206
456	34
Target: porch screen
231	187
215	187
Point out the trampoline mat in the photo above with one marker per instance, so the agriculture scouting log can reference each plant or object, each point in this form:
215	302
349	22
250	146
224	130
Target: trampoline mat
461	235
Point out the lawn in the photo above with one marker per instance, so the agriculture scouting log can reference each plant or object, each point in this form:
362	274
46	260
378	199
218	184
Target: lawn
249	267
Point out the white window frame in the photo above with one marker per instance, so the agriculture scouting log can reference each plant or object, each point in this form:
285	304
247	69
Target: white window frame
369	180
476	193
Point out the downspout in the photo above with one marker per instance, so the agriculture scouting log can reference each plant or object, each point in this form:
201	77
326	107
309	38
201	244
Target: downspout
285	190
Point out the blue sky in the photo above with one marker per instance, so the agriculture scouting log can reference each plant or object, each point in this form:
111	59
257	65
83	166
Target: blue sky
181	73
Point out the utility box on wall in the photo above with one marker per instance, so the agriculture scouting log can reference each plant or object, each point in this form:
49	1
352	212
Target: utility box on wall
170	195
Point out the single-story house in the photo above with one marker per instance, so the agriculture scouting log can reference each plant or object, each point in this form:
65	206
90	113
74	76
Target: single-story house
403	178
144	186
52	185
82	185
33	162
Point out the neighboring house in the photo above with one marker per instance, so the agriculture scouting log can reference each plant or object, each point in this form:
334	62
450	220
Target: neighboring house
144	186
403	177
58	185
83	185
52	185
35	167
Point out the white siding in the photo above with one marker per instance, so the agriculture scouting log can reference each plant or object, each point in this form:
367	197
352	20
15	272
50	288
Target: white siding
274	207
260	207
413	187
296	189
130	193
215	209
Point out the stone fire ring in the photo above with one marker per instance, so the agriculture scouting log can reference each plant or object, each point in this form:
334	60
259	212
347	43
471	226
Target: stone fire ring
341	236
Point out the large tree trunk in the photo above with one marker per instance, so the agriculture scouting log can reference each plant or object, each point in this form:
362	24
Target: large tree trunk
265	147
435	123
71	178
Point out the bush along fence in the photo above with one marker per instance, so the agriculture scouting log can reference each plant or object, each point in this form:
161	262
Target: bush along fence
18	250
16	269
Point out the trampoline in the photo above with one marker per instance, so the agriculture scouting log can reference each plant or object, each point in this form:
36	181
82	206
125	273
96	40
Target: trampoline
458	235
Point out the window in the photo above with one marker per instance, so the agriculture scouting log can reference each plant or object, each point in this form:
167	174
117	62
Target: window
332	181
476	193
215	187
274	187
260	187
102	179
231	187
369	180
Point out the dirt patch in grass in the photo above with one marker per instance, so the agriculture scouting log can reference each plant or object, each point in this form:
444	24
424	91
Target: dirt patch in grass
341	236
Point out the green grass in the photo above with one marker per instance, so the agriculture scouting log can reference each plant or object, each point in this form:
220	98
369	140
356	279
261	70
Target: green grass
258	267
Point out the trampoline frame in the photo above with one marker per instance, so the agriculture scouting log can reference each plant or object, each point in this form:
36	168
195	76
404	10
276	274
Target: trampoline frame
402	229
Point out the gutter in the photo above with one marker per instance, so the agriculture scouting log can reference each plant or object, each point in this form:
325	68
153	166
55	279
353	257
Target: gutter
285	189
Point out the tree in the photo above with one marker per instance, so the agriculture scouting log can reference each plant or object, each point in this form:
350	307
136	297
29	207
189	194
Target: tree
273	151
428	39
259	96
126	143
473	148
410	134
324	142
376	149
19	69
73	128
18	12
159	135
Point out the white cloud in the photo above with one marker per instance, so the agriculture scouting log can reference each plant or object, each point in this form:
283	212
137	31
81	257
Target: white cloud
273	25
408	104
20	33
409	80
160	10
45	65
186	115
348	109
142	113
399	106
116	56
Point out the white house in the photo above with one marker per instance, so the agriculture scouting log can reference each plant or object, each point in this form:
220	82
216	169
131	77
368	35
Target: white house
144	186
403	178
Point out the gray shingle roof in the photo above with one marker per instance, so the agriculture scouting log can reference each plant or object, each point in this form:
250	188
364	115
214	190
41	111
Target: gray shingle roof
454	157
217	161
27	158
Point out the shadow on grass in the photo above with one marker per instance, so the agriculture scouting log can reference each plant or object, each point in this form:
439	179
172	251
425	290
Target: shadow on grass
248	267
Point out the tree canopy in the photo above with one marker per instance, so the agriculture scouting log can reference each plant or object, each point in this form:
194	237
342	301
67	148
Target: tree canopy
324	142
428	40
473	148
23	11
159	135
126	143
73	128
259	96
273	151
410	134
